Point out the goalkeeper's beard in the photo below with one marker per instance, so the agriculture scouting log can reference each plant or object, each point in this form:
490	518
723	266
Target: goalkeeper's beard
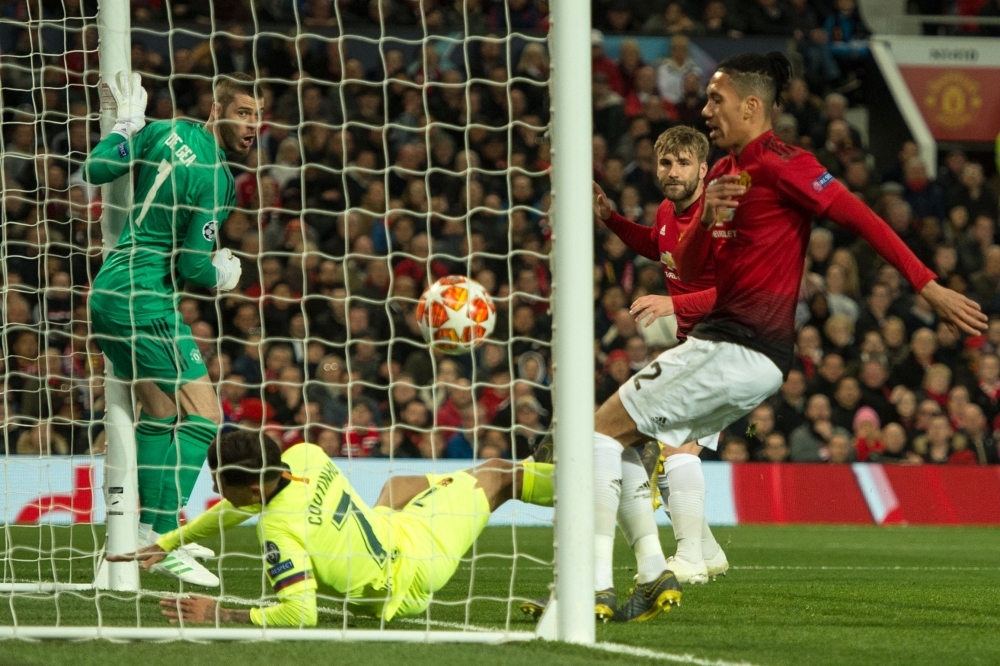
232	143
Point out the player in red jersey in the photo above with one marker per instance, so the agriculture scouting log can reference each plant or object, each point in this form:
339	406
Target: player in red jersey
681	168
757	215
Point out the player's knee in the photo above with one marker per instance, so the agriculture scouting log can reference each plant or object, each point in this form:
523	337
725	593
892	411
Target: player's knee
496	472
498	465
613	420
692	448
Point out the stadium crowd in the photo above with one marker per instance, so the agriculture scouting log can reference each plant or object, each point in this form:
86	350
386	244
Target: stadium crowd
369	183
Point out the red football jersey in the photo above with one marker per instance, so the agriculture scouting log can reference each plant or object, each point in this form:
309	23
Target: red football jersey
760	249
692	301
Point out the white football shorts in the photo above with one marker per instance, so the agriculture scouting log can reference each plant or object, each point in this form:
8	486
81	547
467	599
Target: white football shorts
696	389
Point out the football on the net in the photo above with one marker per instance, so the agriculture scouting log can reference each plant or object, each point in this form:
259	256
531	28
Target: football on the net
455	314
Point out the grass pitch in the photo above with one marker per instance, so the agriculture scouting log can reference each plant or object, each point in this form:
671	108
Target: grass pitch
795	595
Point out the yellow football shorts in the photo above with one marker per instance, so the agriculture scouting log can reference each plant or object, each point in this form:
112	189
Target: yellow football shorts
444	521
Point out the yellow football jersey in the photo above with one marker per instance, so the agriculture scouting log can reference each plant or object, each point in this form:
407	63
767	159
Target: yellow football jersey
317	535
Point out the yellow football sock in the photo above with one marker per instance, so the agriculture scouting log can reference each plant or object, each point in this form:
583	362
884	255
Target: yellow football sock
536	483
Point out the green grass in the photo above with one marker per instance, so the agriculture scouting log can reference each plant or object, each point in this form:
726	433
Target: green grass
795	595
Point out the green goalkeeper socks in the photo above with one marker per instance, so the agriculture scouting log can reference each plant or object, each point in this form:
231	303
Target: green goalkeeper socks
536	483
182	464
152	441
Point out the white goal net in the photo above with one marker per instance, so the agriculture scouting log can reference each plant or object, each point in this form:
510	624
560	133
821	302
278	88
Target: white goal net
399	142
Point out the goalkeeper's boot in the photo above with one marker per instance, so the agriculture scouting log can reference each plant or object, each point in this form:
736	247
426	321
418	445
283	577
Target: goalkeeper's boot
604	605
180	565
717	566
198	551
688	573
648	600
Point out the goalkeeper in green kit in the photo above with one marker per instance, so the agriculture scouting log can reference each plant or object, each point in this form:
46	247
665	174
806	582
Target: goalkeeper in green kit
183	193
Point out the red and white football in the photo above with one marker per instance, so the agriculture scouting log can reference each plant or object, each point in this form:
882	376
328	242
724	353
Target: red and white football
456	313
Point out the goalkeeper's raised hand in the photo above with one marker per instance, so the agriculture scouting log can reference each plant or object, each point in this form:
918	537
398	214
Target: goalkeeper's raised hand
227	270
130	97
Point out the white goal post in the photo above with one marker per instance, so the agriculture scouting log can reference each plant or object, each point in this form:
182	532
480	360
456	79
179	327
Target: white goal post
572	618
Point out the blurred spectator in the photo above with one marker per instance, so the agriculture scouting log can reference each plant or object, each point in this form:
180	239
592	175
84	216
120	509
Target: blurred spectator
608	110
360	435
775	450
529	426
600	63
672	21
629	62
980	440
926	198
813	43
839	450
894	450
846	31
671	71
734	449
941	445
808	442
867	434
770	18
846	403
800	104
718	22
910	373
973	193
789	411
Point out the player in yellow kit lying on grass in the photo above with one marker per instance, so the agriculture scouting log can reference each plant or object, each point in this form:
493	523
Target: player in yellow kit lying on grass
317	534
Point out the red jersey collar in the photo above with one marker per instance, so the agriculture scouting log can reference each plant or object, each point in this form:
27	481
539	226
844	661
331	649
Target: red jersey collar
688	213
754	147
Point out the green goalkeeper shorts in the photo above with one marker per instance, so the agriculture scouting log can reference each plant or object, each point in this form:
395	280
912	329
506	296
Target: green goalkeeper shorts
161	350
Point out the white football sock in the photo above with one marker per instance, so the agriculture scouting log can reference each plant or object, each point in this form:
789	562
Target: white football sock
687	503
607	489
709	546
635	517
144	531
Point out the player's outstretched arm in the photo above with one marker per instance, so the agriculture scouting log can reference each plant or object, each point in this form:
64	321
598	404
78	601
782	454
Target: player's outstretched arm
955	309
196	609
110	159
602	208
639	238
216	520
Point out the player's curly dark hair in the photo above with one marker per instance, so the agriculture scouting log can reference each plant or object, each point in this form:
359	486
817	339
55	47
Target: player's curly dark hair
755	74
244	457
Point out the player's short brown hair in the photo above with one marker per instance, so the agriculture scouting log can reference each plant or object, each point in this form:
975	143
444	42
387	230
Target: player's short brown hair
245	457
228	86
682	139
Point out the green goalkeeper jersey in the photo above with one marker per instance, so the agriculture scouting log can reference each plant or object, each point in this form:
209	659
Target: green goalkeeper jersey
184	192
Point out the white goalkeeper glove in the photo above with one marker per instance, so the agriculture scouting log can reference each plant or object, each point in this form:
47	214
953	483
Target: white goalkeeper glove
130	97
227	270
